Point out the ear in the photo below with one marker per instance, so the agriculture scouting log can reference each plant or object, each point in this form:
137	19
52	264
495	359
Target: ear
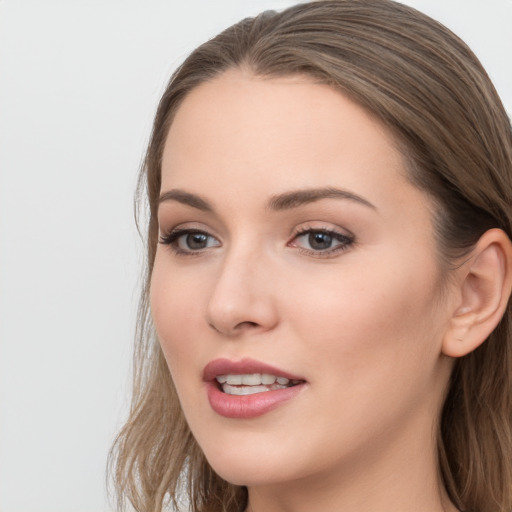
484	283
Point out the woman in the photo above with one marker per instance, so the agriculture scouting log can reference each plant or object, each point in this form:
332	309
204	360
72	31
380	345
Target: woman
325	323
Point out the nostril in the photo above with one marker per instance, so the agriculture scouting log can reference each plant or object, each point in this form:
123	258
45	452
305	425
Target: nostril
241	325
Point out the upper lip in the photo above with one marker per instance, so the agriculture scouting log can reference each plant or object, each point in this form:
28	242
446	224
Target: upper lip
242	367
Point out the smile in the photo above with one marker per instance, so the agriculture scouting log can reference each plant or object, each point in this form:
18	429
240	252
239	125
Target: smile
246	388
251	383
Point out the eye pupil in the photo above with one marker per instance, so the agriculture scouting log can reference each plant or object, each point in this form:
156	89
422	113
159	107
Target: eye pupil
320	241
196	241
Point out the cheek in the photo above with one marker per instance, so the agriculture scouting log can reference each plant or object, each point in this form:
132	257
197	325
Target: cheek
175	307
371	347
375	319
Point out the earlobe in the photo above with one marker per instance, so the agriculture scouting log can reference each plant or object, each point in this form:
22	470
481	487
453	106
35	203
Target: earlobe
485	284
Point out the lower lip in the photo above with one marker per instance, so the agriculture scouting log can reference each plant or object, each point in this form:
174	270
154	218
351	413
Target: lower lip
249	406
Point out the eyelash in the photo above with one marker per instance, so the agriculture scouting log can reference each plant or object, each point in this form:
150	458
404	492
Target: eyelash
172	238
345	242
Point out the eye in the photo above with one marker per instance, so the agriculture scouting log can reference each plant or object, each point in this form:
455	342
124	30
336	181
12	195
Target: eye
187	241
321	242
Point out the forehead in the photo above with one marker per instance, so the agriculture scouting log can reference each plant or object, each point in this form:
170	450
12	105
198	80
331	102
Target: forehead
242	122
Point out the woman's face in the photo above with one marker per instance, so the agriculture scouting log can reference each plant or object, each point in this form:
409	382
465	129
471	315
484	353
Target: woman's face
296	291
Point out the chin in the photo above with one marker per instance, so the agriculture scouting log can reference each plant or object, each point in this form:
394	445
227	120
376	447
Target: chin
239	469
248	475
253	467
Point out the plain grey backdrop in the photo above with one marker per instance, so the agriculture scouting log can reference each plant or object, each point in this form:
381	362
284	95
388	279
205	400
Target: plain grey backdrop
79	83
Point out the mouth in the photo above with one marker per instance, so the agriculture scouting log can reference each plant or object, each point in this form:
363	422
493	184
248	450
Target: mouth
247	388
251	383
248	377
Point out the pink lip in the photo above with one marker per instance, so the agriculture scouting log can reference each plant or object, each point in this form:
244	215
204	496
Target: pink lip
226	366
246	406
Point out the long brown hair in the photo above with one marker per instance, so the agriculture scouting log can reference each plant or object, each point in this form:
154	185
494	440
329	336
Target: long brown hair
430	90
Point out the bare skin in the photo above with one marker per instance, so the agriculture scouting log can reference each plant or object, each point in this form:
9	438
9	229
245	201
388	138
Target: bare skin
342	289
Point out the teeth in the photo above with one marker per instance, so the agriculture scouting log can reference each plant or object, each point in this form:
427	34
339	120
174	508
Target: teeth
250	383
267	379
252	379
250	390
243	390
234	380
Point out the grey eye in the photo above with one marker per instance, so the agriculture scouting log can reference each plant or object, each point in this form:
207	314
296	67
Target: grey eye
196	241
320	241
190	241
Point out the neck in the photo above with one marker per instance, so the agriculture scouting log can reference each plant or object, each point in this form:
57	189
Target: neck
402	477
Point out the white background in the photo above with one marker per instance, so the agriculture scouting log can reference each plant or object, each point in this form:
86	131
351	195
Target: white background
79	83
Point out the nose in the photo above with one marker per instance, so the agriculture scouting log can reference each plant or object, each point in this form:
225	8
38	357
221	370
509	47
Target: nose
242	299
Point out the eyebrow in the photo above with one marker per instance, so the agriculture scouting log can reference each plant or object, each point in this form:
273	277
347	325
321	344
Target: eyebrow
186	198
285	201
297	198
